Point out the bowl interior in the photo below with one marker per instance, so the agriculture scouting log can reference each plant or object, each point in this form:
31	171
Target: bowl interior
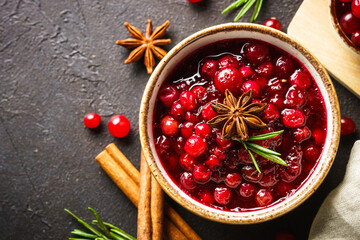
342	37
229	31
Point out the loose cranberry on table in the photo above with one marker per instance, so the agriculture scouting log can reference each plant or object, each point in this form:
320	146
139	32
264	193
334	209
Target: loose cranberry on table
194	1
273	23
347	126
119	126
92	120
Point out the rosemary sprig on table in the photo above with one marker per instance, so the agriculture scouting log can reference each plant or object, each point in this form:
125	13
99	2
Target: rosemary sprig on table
247	4
262	151
110	232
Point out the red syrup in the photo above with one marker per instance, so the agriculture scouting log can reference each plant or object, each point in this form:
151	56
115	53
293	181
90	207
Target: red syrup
220	173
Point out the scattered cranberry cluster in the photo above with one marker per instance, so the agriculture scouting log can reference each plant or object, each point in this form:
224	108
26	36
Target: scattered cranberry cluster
119	125
348	13
219	172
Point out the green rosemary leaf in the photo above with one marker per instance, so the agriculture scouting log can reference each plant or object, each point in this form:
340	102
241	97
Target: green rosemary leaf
83	234
270	157
246	8
265	136
234	5
252	157
100	222
79	239
93	230
263	149
123	234
114	236
256	10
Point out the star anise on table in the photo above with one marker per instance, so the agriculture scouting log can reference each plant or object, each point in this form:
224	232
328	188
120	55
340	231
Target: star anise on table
235	116
145	45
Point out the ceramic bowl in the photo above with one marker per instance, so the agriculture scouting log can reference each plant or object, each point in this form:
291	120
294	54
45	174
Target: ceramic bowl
342	37
229	31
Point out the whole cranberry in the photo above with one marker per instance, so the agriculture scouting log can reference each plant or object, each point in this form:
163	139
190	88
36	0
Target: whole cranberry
222	195
278	101
271	113
355	8
355	38
209	69
194	1
251	174
311	152
213	163
349	23
301	134
347	126
293	118
169	126
233	180
208	113
276	86
163	144
300	79
179	144
283	189
187	181
244	156
263	197
201	174
345	1
188	100
177	111
171	161
192	117
295	98
269	180
265	70
254	86
263	82
290	172
256	53
195	146
206	197
199	92
203	130
223	143
273	23
168	94
187	129
319	136
246	71
217	177
247	190
92	120
119	126
219	153
228	78
228	61
284	67
187	162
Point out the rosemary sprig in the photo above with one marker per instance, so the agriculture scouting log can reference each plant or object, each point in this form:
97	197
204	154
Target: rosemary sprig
247	4
110	231
260	150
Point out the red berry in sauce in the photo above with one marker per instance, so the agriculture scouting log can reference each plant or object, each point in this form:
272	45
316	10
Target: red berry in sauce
209	69
273	23
246	71
318	135
349	23
188	100
271	113
171	161
213	163
254	86
187	162
355	38
311	152
177	111
251	174
195	146
223	143
247	190
198	91
290	172
201	174
187	129
191	117
163	144
219	153
119	126
261	81
265	70
168	94
295	98
301	134
228	78
276	86
228	61
222	195
256	53
347	126
179	144
233	180
187	181
208	113
300	79
169	126
92	120
203	130
355	8
263	197
206	197
293	118
284	67
278	101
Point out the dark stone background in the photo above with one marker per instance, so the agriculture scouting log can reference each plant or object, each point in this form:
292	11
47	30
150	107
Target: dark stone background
58	62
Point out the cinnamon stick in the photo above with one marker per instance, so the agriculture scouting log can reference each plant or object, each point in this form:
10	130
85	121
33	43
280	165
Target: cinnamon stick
157	209
171	231
144	217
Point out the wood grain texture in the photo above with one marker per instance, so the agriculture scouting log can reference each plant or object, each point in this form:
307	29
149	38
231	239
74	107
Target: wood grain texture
312	27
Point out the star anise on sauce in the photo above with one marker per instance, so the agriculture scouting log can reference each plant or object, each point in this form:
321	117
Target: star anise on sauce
235	116
145	45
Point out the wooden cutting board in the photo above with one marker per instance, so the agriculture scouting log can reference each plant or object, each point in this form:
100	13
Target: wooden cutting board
311	26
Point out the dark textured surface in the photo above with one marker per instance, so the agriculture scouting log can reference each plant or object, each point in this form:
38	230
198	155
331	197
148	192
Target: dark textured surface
58	61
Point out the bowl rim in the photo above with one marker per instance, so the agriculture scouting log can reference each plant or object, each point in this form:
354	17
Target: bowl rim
228	216
338	31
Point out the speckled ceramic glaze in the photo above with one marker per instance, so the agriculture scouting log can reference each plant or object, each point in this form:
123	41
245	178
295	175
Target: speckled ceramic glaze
338	31
228	31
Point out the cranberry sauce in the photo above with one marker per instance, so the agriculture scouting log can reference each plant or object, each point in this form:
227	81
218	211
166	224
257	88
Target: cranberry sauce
220	173
348	15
